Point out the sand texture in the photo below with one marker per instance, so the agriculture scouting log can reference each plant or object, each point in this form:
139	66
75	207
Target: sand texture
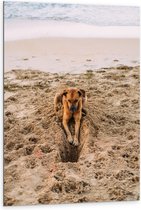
40	167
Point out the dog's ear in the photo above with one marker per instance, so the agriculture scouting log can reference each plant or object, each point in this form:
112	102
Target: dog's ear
64	92
82	93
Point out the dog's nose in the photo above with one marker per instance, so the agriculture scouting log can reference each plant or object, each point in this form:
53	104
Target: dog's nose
73	108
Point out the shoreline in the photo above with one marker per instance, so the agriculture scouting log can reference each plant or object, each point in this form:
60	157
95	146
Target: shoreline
15	30
73	55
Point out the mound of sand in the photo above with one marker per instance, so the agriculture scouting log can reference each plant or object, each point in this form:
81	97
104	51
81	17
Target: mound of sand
39	164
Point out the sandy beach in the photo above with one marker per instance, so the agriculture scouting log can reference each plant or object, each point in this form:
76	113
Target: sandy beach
40	166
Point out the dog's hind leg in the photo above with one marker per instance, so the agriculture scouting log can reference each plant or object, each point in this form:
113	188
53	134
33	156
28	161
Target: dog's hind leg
57	100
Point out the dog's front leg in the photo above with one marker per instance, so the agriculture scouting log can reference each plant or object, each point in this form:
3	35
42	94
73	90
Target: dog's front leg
65	124
77	118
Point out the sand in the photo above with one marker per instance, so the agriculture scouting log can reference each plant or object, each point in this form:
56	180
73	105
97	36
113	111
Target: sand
15	30
40	167
72	55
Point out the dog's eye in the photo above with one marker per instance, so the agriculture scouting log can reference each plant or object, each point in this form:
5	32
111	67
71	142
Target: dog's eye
69	101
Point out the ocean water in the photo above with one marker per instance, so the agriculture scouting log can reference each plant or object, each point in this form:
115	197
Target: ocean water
86	14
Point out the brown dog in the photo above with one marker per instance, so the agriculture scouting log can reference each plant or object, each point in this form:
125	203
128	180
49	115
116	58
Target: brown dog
73	101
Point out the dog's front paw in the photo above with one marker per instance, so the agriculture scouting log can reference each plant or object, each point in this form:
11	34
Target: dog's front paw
75	142
70	140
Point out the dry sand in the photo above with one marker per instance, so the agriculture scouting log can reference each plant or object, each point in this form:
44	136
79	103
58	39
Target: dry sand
40	167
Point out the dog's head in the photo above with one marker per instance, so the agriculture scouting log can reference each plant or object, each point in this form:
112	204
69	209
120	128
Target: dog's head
73	97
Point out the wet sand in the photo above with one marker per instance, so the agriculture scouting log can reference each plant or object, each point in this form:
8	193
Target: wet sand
73	55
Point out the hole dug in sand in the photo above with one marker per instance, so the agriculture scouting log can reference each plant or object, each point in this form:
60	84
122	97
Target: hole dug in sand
70	153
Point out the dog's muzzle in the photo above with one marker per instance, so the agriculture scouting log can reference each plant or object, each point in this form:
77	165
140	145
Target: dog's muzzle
73	108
